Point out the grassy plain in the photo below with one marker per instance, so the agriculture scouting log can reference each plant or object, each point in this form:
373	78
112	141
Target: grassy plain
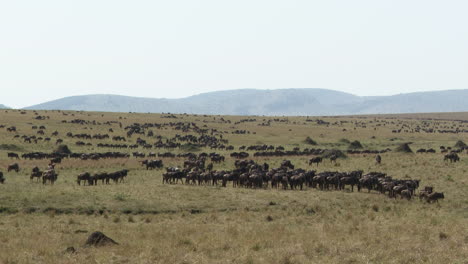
161	223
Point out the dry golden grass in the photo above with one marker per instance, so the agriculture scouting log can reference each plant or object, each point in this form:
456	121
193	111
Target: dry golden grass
157	223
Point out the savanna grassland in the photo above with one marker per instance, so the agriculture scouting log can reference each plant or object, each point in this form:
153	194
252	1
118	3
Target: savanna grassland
178	223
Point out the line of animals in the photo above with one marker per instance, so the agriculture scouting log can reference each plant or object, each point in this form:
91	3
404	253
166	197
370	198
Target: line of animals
116	177
51	176
250	174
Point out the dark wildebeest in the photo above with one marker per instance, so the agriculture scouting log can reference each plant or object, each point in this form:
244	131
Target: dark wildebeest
424	193
14	167
333	158
378	159
315	160
453	157
83	177
50	176
56	160
406	194
13	155
434	197
152	164
287	164
2	179
36	173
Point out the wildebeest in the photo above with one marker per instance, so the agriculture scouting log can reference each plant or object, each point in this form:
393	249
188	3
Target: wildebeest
406	194
83	177
152	164
453	157
2	179
315	160
56	160
14	167
13	155
424	193
434	197
421	151
49	176
378	159
105	177
287	164
36	173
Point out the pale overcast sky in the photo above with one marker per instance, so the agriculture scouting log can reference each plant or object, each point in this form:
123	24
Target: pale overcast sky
149	48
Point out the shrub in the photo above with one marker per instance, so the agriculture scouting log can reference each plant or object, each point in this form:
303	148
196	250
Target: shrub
190	147
405	148
120	197
344	140
62	149
355	145
310	141
460	144
10	147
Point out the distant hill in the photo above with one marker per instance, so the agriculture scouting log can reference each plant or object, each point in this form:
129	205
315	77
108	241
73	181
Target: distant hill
270	102
4	107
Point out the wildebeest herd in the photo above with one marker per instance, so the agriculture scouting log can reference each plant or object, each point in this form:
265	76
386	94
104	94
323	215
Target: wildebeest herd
194	171
249	174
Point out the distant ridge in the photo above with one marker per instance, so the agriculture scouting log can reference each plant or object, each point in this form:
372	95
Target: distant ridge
4	107
270	102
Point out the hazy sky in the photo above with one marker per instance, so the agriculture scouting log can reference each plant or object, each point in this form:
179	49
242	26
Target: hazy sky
52	49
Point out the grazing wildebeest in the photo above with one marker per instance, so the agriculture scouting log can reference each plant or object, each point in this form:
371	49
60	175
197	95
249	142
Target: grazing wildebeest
378	159
152	164
434	197
13	155
14	167
36	173
287	164
83	177
50	176
406	194
56	160
2	179
333	158
297	181
421	151
453	157
315	160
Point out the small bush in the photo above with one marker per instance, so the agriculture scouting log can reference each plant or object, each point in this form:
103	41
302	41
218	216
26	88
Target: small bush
375	208
404	148
11	147
63	149
190	147
344	141
355	145
256	247
460	144
310	141
120	197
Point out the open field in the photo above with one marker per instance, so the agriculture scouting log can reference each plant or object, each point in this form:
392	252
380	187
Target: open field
179	223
